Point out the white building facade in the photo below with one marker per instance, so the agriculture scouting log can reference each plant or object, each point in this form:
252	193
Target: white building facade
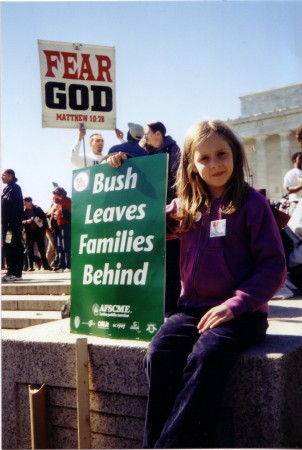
267	127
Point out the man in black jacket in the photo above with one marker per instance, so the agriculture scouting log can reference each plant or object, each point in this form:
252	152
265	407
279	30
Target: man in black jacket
159	142
35	224
12	214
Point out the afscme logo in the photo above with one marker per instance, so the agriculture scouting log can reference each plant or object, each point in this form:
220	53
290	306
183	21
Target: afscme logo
115	309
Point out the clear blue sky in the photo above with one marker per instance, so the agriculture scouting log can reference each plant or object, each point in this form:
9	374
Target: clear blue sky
177	62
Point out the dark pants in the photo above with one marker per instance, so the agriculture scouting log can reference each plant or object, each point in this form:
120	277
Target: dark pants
172	276
187	374
14	254
64	246
37	236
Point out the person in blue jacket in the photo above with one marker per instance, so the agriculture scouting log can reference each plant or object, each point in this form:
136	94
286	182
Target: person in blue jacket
131	147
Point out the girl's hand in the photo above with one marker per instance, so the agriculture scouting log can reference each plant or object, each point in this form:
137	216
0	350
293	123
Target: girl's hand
215	316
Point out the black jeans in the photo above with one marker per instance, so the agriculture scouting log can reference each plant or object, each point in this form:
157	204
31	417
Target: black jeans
64	246
172	276
13	253
37	236
187	374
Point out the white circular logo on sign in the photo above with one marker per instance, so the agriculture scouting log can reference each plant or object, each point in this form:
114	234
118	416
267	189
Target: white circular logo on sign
81	181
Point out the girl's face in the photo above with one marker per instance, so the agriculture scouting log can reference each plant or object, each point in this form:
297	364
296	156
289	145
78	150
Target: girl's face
213	161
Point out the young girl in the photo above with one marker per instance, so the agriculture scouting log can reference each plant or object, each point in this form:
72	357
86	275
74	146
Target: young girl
231	264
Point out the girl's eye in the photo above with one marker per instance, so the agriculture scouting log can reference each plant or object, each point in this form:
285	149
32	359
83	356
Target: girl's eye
222	154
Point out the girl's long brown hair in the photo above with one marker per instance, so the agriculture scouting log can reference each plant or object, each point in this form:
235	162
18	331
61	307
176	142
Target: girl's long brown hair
193	191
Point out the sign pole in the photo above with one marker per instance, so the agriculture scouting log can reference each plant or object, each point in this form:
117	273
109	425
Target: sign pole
84	151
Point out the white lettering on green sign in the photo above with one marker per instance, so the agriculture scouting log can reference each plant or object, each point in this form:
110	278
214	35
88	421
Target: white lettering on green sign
115	183
114	213
124	241
115	308
117	276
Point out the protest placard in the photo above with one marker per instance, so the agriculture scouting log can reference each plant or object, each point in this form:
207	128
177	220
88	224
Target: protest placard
118	249
78	85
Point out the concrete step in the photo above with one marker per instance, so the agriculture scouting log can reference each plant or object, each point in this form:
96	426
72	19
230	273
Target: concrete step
39	282
33	302
25	288
15	320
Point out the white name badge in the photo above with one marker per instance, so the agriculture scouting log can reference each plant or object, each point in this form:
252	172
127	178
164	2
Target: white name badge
218	228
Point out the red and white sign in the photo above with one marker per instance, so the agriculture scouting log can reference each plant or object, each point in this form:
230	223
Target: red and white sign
78	85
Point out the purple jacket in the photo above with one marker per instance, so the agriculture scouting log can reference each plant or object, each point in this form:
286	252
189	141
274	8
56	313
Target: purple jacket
244	268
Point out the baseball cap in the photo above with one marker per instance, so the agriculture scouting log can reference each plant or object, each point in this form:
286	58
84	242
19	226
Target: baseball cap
136	131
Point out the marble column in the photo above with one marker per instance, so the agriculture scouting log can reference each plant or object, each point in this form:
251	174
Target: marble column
261	175
286	151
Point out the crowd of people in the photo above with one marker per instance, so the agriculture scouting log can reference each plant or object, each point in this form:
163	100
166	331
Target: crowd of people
288	214
229	251
43	237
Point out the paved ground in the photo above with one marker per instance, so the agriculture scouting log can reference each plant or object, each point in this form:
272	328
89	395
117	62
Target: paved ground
43	277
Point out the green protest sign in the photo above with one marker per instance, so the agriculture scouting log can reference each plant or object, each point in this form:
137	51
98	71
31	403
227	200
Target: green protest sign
118	249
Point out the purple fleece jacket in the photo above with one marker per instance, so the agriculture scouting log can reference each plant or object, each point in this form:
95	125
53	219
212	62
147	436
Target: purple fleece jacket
242	269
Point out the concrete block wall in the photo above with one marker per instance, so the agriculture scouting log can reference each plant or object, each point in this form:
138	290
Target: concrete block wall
46	354
262	405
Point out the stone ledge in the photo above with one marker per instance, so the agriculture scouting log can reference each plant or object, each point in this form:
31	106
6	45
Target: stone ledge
22	319
262	405
33	302
20	288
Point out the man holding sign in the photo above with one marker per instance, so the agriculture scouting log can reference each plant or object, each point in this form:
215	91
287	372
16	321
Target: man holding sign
155	135
96	143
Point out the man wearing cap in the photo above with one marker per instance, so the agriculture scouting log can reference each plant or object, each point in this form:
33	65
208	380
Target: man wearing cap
131	147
